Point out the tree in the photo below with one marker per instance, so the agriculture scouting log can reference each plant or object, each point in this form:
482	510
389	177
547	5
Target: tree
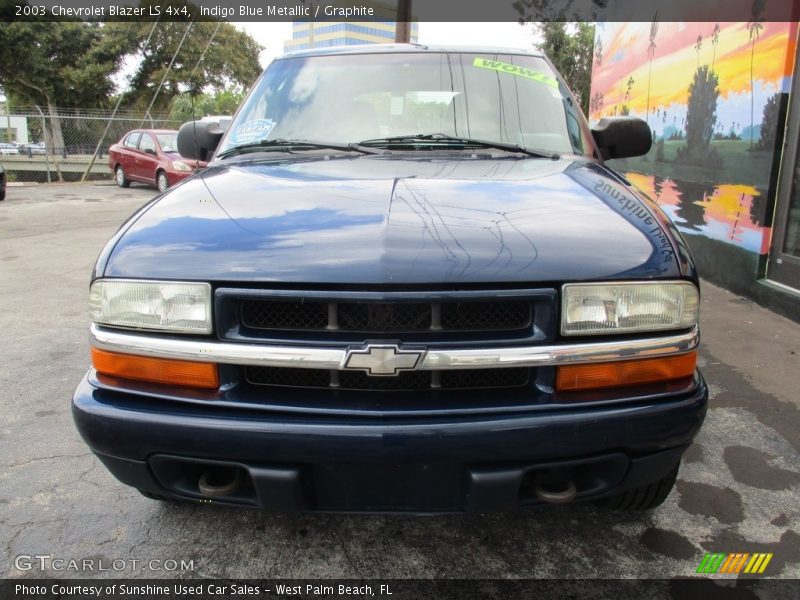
598	52
754	27
229	58
596	104
714	42
64	64
651	51
185	108
701	118
625	110
769	123
570	46
698	46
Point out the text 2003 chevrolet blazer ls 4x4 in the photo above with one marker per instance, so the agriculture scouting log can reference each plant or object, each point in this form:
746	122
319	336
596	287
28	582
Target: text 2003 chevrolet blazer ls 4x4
406	282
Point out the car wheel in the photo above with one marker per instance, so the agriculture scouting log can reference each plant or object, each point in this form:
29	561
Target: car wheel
122	180
644	497
162	181
2	195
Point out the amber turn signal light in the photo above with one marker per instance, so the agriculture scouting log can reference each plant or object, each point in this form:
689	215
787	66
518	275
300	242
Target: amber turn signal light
156	370
571	378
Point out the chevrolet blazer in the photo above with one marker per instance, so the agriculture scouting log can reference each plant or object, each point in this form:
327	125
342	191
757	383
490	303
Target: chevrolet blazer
406	282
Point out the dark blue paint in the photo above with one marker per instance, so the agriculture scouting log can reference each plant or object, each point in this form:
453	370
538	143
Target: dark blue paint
413	221
409	219
126	432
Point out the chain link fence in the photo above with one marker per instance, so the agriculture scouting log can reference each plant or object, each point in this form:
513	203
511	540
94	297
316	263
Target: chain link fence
44	145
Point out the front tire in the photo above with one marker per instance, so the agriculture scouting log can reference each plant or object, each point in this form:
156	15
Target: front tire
162	182
645	497
120	177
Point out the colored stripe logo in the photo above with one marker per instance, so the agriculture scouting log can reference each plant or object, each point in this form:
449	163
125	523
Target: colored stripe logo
738	562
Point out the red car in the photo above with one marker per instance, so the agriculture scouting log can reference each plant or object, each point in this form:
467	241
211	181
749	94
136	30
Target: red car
150	156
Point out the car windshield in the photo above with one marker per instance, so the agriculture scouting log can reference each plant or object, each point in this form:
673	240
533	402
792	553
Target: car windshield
168	142
348	99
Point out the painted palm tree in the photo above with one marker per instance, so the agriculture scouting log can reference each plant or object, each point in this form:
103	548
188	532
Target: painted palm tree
651	51
714	42
629	86
697	47
598	52
754	27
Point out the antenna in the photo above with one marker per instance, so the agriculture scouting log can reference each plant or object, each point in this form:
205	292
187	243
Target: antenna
194	121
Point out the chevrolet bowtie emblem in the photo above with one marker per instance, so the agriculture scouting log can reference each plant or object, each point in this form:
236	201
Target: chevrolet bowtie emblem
383	359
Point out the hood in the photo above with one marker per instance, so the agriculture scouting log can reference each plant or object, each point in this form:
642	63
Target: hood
381	220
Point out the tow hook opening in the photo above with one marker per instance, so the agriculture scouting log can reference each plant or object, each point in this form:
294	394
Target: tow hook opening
205	480
584	478
217	482
555	486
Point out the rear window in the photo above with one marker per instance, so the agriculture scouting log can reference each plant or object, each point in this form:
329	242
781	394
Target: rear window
132	141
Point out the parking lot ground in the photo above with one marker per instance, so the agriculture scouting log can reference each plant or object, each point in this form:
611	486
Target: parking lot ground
738	488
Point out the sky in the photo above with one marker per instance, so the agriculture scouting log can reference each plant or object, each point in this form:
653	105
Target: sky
510	35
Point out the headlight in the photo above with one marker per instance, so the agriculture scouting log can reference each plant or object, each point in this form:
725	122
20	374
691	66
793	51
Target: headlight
162	305
600	308
181	166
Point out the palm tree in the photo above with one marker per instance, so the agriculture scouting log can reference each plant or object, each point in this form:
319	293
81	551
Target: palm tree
651	50
714	42
598	52
625	109
754	27
697	47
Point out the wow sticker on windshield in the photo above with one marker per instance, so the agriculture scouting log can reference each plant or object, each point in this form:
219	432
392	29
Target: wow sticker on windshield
495	65
252	131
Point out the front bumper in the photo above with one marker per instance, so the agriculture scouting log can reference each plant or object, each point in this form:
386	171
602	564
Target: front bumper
470	463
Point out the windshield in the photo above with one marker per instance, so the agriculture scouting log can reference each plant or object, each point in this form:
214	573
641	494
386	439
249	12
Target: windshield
168	142
343	99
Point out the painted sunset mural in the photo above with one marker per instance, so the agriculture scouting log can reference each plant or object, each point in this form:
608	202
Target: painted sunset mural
712	94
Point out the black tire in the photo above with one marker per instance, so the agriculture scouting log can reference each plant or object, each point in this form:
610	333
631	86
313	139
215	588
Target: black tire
120	177
162	183
2	195
645	497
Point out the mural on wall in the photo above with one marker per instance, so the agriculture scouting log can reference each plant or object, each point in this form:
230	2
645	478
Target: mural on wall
711	94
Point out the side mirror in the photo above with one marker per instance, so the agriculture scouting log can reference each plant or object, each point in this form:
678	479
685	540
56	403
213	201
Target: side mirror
199	139
622	137
151	151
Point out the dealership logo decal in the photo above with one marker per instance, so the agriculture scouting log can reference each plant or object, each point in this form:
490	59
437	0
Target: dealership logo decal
738	562
383	359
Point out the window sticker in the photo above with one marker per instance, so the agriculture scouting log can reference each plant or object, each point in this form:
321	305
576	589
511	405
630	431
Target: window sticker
516	70
252	131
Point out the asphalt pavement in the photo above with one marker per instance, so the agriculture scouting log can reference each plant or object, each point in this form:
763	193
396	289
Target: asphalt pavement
738	489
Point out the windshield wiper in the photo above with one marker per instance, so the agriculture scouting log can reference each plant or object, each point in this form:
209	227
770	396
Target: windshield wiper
443	139
292	145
